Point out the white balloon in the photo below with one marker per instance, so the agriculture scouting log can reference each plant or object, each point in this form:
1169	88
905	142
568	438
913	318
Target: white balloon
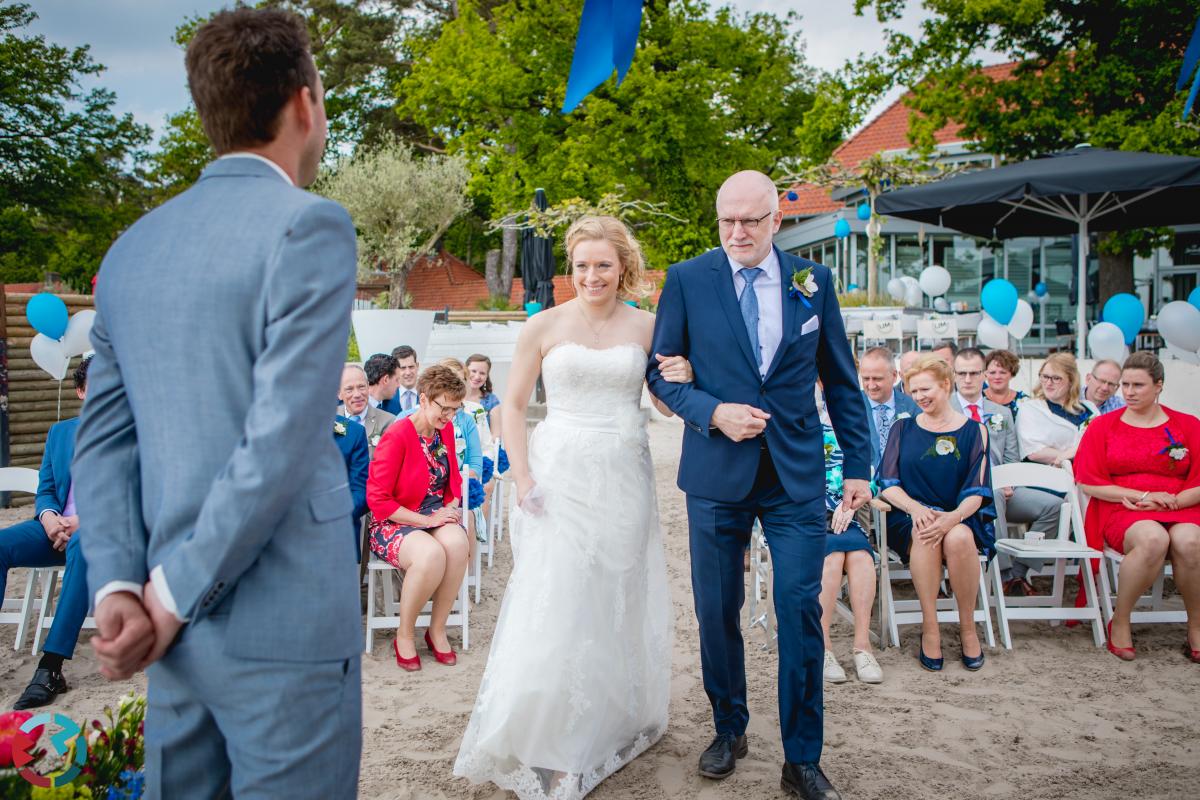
50	355
912	296
1190	358
895	288
940	304
935	281
1107	341
991	333
77	339
1022	321
1179	324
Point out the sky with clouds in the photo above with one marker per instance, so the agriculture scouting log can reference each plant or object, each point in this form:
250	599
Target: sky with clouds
133	39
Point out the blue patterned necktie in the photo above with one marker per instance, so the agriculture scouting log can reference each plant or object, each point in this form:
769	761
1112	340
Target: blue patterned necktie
749	304
883	424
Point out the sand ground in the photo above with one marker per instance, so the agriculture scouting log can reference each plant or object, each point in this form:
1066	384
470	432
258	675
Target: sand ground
1055	718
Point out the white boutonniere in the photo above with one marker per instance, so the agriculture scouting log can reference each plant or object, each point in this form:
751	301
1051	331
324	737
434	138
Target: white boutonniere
375	439
803	283
944	446
339	428
995	423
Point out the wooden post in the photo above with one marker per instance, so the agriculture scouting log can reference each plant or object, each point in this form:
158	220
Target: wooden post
4	455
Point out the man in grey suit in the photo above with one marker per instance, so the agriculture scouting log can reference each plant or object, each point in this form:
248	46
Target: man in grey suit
217	550
356	405
1033	507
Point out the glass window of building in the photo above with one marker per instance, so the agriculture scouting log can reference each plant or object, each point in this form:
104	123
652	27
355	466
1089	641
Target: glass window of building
910	256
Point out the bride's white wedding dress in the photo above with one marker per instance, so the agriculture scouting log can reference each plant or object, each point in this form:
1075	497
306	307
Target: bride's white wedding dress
578	679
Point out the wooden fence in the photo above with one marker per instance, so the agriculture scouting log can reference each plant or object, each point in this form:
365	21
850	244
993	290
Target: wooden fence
35	401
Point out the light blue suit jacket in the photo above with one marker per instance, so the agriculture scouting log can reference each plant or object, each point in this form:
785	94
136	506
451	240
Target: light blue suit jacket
231	300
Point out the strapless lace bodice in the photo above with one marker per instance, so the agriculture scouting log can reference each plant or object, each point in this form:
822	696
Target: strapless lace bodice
586	380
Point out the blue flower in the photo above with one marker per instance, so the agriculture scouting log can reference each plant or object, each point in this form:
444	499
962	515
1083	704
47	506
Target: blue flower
502	467
475	495
489	469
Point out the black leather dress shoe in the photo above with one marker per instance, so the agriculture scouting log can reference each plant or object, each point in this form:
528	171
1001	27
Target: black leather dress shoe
41	691
807	781
719	760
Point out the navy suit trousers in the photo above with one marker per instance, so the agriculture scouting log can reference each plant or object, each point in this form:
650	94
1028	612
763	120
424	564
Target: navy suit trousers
795	533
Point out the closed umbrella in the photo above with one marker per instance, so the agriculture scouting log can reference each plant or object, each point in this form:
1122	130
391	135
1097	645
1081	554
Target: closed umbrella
1075	191
537	261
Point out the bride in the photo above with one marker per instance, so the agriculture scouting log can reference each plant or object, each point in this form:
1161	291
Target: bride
577	682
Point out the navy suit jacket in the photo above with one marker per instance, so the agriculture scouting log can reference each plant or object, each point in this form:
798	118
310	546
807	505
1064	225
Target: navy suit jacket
54	478
904	405
699	317
355	453
392	404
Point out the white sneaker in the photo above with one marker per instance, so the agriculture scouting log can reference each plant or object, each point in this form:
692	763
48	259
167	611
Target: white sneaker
866	666
833	670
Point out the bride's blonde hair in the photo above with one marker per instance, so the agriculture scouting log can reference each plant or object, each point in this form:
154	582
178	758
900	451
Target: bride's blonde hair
632	284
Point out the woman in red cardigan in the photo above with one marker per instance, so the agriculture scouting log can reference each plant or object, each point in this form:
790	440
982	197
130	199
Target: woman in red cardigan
1141	468
414	492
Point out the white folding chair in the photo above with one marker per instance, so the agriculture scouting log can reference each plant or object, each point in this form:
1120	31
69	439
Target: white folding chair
1069	546
908	612
386	614
18	610
1150	607
878	512
49	604
499	510
936	329
762	598
883	330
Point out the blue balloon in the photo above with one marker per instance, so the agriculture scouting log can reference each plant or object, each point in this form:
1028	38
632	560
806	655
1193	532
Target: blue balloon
47	313
1126	312
852	287
532	308
864	211
1194	297
1040	290
841	228
792	196
999	300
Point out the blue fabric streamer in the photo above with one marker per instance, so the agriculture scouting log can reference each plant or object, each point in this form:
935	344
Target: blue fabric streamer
1190	58
489	469
607	39
502	467
475	495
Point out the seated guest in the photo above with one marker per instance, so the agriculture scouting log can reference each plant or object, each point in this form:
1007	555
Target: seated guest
481	401
848	551
383	379
351	439
885	404
946	350
1102	386
1052	421
999	368
52	539
415	493
467	446
356	406
907	359
405	398
935	474
1141	469
1037	509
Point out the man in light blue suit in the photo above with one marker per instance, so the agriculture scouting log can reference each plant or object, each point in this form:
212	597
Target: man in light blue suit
884	403
217	550
759	327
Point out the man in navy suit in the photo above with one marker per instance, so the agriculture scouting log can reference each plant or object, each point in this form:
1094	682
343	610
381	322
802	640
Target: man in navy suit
351	439
405	398
52	539
884	402
759	327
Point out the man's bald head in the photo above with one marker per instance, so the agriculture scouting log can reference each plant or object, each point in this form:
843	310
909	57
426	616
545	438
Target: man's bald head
748	216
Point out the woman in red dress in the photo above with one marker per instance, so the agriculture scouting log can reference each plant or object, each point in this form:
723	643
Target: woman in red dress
1141	469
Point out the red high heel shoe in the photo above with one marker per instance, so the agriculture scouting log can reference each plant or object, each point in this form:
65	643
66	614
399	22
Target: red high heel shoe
448	658
1123	653
408	664
1192	653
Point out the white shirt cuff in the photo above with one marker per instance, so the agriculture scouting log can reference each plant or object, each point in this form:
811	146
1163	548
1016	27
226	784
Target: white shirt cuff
46	511
117	586
159	579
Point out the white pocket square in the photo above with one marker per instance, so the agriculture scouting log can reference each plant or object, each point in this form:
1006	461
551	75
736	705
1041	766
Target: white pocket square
813	323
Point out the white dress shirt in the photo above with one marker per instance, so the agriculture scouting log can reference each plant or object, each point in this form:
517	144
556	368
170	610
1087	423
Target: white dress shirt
157	576
408	394
769	292
965	404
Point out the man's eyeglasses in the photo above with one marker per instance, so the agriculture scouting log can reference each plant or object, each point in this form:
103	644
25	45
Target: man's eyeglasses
1109	384
974	373
748	224
446	410
1051	378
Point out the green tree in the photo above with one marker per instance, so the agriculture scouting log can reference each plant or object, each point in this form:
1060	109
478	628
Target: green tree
68	184
1096	71
709	93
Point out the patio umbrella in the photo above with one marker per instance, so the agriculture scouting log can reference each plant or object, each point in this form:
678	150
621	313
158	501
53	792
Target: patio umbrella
1075	191
537	261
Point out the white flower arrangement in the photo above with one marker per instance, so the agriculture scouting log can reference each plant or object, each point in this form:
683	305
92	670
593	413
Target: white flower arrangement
375	439
944	446
995	423
339	428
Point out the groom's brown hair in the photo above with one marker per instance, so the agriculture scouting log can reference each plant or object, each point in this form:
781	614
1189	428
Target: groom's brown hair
243	67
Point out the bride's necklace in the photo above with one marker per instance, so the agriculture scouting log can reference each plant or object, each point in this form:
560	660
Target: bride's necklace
597	331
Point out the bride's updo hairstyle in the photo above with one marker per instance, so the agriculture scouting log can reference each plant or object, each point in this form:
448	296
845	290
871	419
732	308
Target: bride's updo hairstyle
633	284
